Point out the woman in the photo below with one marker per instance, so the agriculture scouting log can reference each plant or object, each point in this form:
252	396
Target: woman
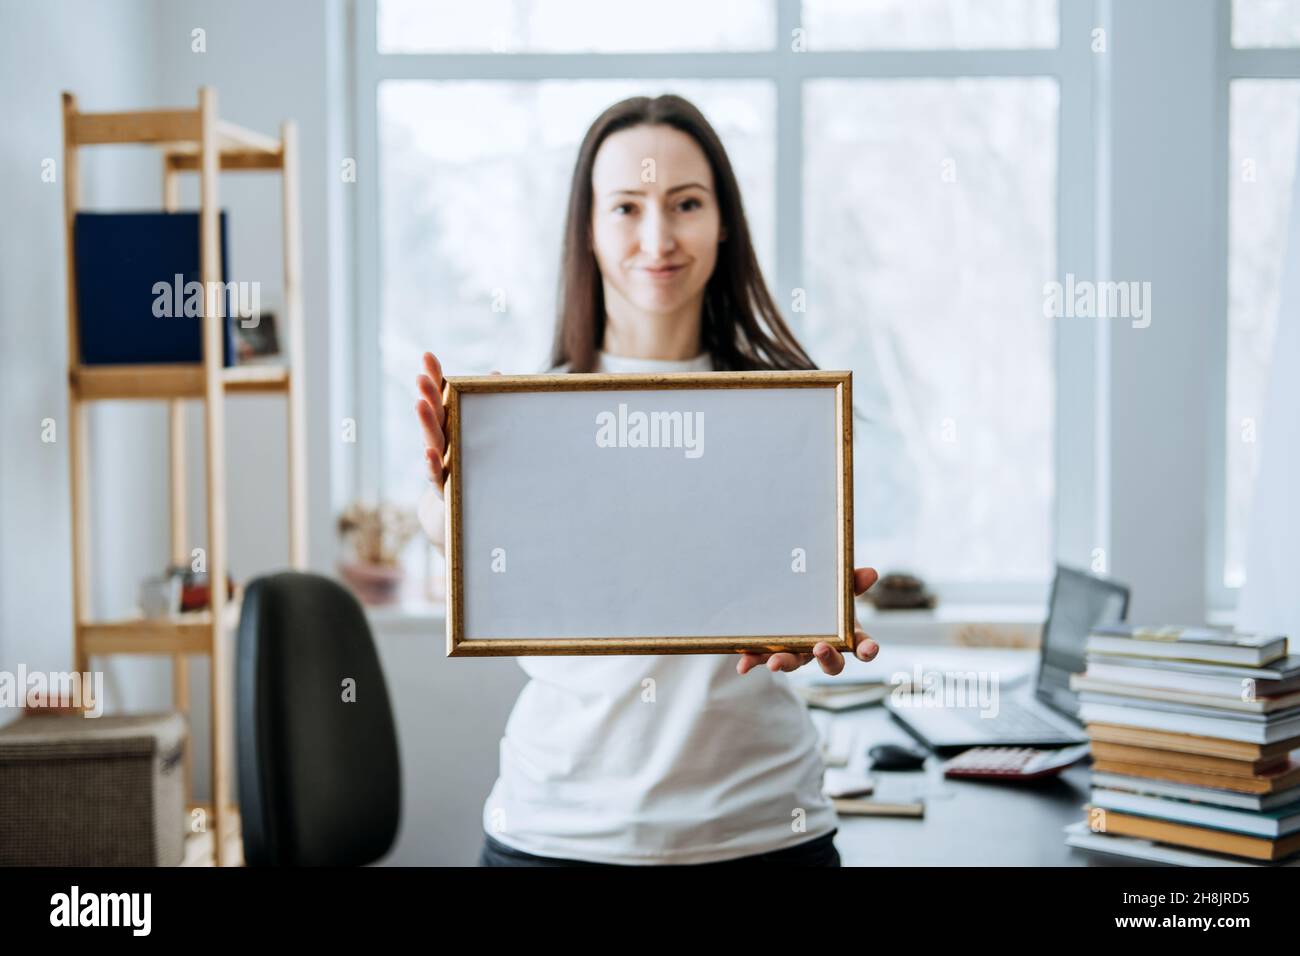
671	759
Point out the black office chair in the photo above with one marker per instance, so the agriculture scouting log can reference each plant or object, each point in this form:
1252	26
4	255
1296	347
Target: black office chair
319	777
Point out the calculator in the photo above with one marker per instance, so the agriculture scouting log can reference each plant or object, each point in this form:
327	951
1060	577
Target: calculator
1012	763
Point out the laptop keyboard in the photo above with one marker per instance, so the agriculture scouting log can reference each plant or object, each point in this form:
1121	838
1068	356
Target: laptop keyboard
1013	719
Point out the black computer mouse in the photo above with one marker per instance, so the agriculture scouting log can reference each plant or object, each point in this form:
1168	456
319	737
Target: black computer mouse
896	757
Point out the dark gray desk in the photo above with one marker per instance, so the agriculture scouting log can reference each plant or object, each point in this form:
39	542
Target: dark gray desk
966	822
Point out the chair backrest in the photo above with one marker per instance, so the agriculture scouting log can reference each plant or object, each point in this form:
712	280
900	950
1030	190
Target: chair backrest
319	777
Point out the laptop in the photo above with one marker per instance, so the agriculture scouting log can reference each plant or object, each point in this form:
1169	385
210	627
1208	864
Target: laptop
956	717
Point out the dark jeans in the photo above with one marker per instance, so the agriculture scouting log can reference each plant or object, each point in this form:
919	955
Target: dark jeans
818	852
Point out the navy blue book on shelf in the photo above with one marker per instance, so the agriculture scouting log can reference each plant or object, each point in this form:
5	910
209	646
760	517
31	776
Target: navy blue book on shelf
124	314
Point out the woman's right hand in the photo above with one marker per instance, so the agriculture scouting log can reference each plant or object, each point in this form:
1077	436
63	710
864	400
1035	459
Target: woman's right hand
433	417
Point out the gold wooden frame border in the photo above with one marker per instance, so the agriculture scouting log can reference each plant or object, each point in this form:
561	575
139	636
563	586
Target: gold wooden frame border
454	387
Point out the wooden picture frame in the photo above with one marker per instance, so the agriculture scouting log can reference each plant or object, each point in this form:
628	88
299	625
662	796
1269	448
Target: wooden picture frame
827	448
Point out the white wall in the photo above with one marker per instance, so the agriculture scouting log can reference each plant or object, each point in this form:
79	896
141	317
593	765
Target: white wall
108	55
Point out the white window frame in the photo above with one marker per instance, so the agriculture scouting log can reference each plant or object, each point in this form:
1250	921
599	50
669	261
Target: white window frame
1080	513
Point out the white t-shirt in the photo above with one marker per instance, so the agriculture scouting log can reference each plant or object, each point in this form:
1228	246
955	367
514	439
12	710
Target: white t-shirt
656	759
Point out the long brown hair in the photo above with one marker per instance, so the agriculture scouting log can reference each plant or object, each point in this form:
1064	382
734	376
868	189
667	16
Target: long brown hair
740	326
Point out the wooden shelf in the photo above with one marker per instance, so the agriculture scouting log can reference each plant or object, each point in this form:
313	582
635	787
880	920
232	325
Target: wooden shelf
104	382
183	160
239	149
139	126
178	130
189	633
231	136
189	140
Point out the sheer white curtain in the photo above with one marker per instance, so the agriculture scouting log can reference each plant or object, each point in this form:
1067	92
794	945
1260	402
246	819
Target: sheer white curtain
1270	596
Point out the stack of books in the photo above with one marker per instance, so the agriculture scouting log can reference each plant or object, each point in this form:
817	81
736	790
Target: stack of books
1192	733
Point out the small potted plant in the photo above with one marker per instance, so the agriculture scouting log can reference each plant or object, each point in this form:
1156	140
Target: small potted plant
377	536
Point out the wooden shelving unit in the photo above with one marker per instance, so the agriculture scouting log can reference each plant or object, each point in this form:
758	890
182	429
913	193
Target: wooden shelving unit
191	140
102	382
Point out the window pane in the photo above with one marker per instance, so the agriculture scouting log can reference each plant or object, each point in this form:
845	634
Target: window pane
1261	23
929	24
473	189
929	232
574	26
1265	117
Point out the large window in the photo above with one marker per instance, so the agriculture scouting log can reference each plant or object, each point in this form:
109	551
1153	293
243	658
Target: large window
924	264
902	169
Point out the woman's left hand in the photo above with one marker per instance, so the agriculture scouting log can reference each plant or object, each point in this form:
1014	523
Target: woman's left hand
831	660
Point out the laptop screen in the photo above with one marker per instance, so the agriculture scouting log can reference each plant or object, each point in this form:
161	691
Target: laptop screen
1079	603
